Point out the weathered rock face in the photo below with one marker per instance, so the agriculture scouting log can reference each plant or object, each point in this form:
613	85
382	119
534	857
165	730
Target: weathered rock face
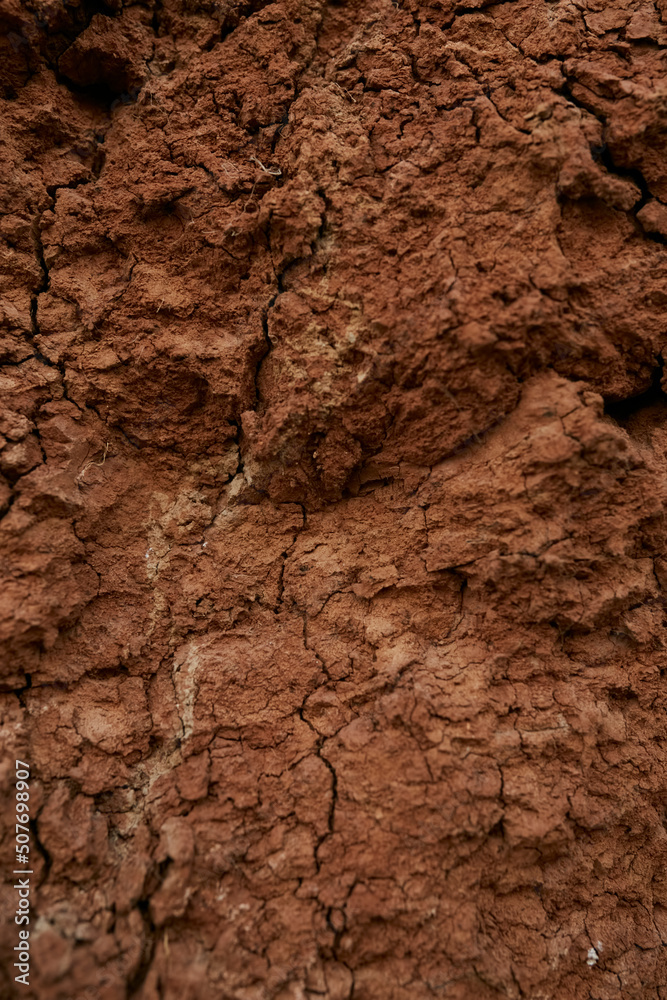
333	480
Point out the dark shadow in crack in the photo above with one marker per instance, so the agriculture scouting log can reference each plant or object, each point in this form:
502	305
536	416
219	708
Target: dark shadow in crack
638	413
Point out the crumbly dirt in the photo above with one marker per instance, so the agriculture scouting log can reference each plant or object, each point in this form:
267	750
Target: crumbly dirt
333	481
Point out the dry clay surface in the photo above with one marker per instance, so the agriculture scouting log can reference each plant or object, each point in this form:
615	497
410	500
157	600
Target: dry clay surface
334	470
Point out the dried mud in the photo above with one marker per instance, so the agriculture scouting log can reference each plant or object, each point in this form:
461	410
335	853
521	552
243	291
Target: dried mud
334	469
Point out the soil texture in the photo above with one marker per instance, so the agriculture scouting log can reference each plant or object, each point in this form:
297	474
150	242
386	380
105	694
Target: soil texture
333	478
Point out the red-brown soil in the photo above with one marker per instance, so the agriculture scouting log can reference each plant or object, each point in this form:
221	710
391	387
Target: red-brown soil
334	470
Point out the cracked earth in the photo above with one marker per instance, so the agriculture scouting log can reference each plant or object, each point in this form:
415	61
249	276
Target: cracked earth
333	471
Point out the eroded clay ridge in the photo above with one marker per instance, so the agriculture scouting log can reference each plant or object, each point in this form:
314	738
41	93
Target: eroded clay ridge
334	462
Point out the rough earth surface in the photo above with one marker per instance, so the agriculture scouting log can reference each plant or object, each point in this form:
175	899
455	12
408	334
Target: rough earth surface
333	483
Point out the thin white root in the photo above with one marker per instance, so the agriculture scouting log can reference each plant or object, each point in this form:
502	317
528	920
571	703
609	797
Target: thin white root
89	465
274	171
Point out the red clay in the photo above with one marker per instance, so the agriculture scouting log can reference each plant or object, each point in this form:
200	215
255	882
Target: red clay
334	470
